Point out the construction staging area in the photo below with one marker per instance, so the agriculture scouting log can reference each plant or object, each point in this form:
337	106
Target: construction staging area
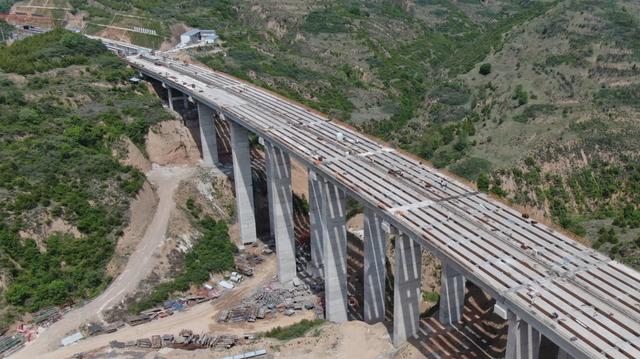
543	282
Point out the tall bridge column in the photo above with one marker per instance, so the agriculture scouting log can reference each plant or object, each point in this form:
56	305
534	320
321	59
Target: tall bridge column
170	96
315	223
451	296
523	341
207	135
241	155
375	254
334	235
406	289
279	182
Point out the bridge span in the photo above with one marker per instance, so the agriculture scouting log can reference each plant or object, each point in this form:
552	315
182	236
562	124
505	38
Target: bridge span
544	283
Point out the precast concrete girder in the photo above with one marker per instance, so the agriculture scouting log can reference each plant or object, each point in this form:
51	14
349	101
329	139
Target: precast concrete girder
207	135
523	341
241	155
334	237
375	251
451	296
280	196
406	290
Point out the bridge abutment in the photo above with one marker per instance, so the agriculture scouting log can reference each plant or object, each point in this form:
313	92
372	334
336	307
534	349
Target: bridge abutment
280	197
375	254
406	290
208	135
451	296
241	154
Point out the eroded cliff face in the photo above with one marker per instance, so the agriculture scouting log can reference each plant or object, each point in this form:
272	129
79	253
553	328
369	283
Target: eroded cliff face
171	143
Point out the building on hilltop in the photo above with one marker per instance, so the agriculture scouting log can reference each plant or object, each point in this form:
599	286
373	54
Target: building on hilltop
195	36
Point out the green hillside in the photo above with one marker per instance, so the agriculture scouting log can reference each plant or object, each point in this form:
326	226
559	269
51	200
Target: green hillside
65	105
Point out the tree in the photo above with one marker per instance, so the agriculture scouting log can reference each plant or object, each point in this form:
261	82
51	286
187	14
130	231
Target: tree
485	69
17	294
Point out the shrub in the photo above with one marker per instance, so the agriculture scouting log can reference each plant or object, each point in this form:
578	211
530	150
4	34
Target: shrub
471	168
485	69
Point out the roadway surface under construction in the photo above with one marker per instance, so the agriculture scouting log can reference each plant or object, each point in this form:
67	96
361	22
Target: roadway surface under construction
580	299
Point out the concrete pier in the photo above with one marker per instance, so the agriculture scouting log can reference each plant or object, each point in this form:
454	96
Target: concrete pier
207	135
406	290
334	234
315	224
451	296
170	96
280	197
375	251
243	182
269	201
523	341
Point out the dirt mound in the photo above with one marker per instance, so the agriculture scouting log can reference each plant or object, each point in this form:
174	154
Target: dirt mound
170	142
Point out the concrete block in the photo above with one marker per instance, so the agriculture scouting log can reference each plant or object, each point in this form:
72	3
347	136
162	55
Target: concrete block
523	341
375	249
406	291
334	234
500	311
280	197
207	135
243	182
451	296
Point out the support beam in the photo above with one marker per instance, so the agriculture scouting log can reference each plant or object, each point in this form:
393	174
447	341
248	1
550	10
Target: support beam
523	341
406	290
207	135
241	155
315	224
334	234
375	250
282	204
451	296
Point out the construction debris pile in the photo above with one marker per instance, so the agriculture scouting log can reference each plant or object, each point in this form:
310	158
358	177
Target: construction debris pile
270	300
186	340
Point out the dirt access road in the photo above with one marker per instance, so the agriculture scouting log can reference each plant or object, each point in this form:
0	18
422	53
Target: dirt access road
139	265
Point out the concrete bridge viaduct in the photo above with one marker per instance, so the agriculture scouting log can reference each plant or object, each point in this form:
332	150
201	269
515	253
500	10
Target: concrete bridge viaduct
544	283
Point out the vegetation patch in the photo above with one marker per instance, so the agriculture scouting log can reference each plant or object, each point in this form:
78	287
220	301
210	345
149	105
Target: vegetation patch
293	331
213	252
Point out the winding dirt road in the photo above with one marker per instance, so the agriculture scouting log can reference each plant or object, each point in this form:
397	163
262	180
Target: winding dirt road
139	265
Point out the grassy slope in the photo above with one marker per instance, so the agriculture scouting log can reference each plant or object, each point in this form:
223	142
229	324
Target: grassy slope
57	132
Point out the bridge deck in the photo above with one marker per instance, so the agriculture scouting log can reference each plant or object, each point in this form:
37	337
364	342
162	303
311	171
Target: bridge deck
577	297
